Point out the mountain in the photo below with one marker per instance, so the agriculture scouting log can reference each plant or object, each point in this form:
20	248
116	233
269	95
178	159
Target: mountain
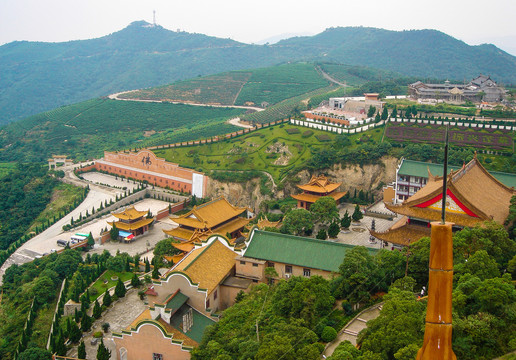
40	76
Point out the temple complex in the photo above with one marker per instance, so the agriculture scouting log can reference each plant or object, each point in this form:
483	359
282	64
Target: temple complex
145	166
132	222
473	196
214	217
181	304
317	187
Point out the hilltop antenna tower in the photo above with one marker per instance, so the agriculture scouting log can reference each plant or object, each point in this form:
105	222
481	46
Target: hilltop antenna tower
154	17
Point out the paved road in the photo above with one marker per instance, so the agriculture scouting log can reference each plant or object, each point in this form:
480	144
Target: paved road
46	241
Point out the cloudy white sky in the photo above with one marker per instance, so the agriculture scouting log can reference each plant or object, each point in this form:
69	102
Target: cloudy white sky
472	21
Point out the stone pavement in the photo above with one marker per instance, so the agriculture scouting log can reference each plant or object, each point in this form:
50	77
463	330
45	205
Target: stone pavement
119	316
351	329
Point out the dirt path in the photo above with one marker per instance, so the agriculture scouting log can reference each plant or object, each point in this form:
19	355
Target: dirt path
328	77
351	329
236	122
116	97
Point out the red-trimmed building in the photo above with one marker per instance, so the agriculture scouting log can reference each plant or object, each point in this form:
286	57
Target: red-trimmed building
145	166
473	196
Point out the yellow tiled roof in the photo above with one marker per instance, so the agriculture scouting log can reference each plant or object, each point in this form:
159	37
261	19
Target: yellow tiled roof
319	184
208	265
180	233
132	226
186	247
130	214
313	198
402	233
209	215
231	226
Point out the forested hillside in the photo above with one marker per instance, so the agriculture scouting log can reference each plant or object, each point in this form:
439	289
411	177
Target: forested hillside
42	76
86	129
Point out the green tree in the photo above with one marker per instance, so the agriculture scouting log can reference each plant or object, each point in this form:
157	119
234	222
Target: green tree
85	322
357	213
116	263
481	265
135	281
113	233
371	111
91	241
35	353
328	334
298	221
102	352
321	234
401	313
164	247
81	351
155	273
60	347
106	300
394	112
147	265
120	289
97	310
333	230
324	209
270	274
43	290
75	333
385	113
345	222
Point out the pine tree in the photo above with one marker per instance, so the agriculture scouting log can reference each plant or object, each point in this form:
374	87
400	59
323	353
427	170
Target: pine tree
102	352
106	300
322	235
333	230
60	347
357	214
81	351
155	273
147	265
97	310
113	233
120	289
85	323
135	281
74	333
91	241
77	316
345	222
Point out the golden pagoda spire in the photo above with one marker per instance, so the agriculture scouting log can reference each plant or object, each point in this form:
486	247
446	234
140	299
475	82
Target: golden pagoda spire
438	324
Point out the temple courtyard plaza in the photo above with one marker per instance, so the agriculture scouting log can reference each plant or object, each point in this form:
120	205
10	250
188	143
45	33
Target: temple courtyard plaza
358	233
119	316
112	181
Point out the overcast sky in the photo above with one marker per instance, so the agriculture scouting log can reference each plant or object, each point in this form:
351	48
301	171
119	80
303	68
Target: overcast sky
472	21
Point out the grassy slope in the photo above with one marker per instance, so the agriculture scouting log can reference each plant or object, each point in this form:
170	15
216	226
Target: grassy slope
255	151
63	197
86	129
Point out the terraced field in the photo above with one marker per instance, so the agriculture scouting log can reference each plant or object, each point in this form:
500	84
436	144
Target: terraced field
251	87
217	89
86	129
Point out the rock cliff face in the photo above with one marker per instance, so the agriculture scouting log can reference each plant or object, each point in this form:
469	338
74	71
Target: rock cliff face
352	177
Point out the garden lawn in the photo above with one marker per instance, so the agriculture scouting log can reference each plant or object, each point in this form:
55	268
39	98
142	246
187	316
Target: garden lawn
107	275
